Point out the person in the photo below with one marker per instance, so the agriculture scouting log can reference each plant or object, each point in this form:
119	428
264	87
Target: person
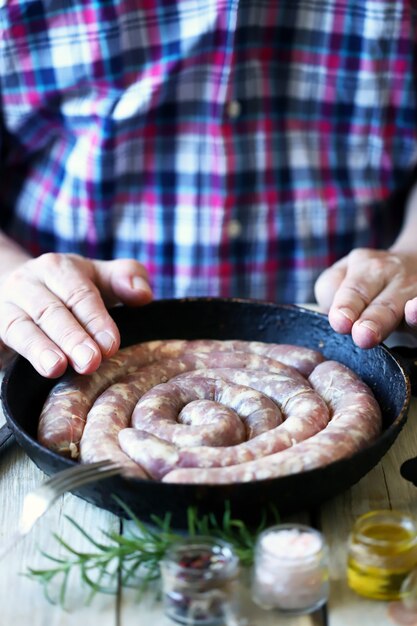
173	148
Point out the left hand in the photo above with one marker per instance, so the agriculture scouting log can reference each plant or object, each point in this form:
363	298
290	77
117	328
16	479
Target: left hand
369	293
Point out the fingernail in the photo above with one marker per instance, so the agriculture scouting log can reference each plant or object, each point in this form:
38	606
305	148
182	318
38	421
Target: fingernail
105	340
348	313
49	359
82	354
139	284
370	326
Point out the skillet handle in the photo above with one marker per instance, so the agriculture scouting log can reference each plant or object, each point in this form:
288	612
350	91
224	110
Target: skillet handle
408	470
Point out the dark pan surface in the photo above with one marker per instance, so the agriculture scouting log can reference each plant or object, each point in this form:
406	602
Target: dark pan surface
24	391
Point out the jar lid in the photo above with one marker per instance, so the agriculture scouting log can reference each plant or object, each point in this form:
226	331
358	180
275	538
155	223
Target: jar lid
201	556
292	542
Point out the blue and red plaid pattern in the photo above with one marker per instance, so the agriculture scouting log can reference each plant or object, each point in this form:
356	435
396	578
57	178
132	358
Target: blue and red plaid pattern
235	147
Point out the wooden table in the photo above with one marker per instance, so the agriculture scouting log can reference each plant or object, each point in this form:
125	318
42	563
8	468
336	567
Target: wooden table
22	602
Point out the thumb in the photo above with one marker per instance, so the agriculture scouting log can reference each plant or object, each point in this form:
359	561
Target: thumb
123	281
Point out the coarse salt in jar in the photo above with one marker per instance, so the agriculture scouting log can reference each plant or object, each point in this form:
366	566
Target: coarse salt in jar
382	551
199	581
290	571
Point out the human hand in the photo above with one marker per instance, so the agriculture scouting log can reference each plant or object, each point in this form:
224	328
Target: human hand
369	293
53	309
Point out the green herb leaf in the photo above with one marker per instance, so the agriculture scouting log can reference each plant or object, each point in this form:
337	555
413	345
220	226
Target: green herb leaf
134	558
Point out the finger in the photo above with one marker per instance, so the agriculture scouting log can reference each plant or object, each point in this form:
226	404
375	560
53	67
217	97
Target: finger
57	324
22	335
410	312
76	320
380	318
328	283
123	280
364	280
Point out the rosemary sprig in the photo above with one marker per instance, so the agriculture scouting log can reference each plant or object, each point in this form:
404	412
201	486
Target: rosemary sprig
134	558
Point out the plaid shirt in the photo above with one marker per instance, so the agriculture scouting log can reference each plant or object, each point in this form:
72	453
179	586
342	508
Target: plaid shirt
235	147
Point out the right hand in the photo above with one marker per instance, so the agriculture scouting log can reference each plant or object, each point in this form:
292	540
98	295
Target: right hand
369	293
53	309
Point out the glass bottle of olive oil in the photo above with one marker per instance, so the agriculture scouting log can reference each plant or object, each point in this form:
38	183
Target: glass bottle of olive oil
382	552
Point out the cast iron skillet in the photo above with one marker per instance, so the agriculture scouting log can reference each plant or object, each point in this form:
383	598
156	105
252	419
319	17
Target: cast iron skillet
24	391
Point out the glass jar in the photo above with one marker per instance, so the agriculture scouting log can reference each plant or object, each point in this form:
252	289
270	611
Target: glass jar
199	581
382	552
290	571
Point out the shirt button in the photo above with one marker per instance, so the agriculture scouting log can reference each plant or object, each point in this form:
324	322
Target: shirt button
234	109
234	229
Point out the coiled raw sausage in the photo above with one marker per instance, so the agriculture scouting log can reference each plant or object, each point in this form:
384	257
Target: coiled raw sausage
210	411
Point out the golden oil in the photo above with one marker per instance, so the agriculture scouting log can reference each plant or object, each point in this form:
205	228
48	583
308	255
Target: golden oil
382	552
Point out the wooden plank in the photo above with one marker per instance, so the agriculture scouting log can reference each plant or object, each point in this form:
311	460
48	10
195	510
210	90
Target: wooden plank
22	600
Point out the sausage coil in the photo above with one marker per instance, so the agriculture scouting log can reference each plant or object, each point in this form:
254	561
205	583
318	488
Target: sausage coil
209	411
